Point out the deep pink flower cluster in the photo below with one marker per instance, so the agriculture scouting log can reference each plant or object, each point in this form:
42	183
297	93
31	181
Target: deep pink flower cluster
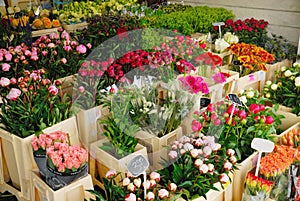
194	84
250	25
67	157
45	140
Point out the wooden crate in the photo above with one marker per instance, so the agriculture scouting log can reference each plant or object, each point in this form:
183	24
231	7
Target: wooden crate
156	146
254	80
101	161
17	157
76	191
42	32
88	127
239	176
73	27
272	68
68	84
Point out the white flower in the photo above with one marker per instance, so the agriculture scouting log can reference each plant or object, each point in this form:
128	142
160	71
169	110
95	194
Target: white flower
250	94
155	176
207	151
243	99
287	73
268	95
163	193
297	81
283	68
126	181
227	165
137	182
230	38
172	187
203	169
150	196
296	64
211	167
221	45
194	153
130	197
274	87
230	152
268	83
198	162
131	187
224	178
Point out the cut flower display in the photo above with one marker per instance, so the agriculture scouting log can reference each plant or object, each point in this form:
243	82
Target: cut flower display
285	90
251	57
31	103
66	158
235	127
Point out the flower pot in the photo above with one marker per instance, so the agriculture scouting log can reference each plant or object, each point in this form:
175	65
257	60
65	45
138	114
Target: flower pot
57	180
40	160
156	145
102	161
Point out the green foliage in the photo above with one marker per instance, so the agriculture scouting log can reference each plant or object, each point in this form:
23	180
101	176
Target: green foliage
280	48
191	20
170	8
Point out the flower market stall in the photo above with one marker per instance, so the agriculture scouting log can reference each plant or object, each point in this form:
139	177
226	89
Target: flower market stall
127	100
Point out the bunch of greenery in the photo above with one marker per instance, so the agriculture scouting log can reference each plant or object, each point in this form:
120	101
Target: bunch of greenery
280	48
170	8
191	20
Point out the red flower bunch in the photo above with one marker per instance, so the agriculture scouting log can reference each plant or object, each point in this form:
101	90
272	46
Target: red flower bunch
251	31
236	126
194	84
251	56
210	59
278	161
256	184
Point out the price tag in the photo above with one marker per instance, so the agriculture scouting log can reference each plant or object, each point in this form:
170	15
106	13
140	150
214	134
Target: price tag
219	24
204	102
235	99
137	165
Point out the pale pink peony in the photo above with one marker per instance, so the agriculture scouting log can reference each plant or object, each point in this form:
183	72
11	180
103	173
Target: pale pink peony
223	178
194	153
110	174
52	90
4	82
163	193
150	196
131	187
230	152
227	165
155	176
172	187
130	197
172	154
203	169
5	67
81	49
126	181
13	94
137	182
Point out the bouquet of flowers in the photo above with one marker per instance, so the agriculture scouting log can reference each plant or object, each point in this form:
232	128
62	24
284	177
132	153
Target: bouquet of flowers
257	188
42	141
286	89
251	57
235	126
195	164
31	103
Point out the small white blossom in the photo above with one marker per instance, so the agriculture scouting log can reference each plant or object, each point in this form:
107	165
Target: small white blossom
287	73
274	87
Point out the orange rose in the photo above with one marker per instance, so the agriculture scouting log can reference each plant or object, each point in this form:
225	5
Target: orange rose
47	22
37	23
55	23
14	22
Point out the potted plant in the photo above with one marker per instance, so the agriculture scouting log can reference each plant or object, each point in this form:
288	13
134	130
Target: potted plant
285	89
30	103
119	144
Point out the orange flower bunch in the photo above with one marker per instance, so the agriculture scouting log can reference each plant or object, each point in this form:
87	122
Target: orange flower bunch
256	184
251	56
20	21
45	22
278	161
291	138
